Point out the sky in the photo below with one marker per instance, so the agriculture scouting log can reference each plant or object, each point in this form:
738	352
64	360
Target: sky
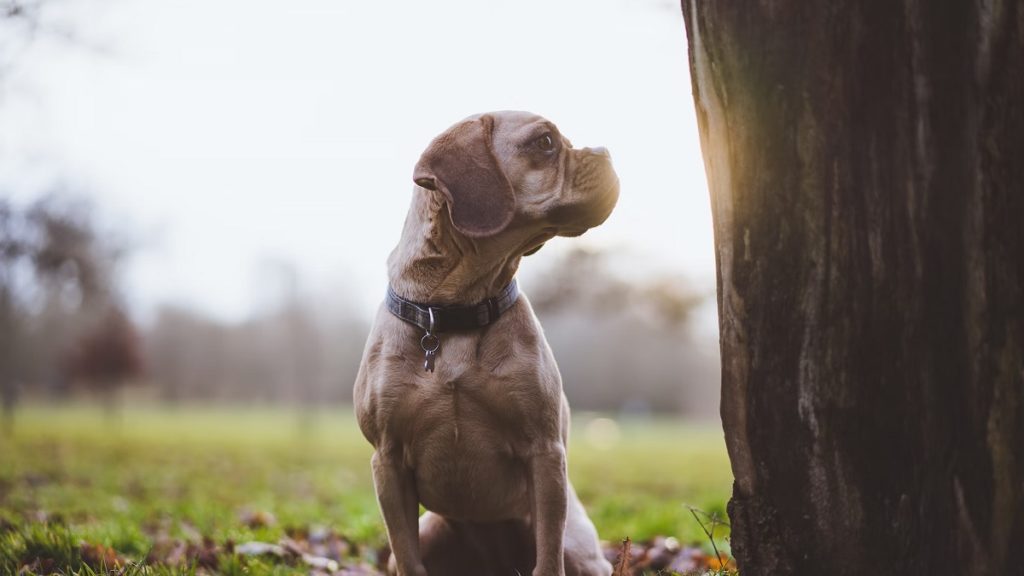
229	136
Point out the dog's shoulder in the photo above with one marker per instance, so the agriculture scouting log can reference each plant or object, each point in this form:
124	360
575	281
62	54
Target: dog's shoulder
384	349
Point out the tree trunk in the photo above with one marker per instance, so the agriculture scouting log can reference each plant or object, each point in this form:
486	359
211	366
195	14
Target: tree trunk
866	167
8	374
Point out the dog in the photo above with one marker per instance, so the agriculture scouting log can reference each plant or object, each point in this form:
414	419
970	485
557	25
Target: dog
458	391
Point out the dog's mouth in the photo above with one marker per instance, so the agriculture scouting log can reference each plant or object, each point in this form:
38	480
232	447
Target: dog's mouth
595	191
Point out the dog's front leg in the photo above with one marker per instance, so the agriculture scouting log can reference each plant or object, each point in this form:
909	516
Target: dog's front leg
550	502
396	494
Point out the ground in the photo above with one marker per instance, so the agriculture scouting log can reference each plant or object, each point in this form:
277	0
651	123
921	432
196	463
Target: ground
204	487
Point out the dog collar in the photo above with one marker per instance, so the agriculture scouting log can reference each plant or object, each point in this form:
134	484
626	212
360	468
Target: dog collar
434	319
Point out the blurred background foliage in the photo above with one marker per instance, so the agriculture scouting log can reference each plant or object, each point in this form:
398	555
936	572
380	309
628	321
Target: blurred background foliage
627	342
623	345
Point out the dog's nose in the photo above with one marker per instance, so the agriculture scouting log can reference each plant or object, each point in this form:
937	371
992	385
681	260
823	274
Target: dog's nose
599	151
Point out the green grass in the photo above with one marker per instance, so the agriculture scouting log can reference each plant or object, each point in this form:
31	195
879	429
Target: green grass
71	475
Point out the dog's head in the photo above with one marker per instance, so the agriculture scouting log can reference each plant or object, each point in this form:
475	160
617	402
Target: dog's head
505	172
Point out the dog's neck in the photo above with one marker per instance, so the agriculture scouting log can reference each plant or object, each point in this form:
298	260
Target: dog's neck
434	264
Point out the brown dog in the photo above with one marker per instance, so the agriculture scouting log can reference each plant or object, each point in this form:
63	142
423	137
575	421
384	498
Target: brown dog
479	436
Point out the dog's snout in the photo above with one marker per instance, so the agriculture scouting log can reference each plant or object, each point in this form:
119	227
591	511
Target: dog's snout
599	151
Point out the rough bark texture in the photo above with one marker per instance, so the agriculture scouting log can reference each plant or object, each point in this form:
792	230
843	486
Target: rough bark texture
866	167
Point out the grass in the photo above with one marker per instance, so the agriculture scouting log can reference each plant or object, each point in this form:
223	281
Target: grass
73	474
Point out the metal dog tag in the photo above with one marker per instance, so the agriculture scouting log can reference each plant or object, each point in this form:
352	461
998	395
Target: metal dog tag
430	343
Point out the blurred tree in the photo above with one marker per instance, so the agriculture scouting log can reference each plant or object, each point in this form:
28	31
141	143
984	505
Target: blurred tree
56	276
300	349
56	272
106	355
20	24
580	278
68	255
585	279
24	22
617	338
866	168
187	356
12	250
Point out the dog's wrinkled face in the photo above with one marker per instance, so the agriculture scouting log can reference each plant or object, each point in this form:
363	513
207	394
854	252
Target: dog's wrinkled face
514	174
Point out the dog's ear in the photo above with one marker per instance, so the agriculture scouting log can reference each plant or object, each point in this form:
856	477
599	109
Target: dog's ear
461	165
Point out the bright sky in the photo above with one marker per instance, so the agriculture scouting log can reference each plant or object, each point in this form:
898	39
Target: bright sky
228	134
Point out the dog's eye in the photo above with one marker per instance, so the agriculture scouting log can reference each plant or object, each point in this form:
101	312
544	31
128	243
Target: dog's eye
545	143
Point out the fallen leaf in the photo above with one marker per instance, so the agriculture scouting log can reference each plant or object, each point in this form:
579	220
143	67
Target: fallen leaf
257	518
98	556
259	549
725	562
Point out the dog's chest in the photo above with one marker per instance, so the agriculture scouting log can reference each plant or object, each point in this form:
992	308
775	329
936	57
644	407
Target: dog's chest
465	430
467	457
481	386
464	408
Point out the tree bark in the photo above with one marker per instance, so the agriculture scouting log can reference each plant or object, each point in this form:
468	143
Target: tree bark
866	168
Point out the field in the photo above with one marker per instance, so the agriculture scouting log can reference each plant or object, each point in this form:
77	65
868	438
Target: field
192	488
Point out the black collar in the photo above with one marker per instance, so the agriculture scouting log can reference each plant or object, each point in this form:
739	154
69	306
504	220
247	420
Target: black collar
453	318
434	319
